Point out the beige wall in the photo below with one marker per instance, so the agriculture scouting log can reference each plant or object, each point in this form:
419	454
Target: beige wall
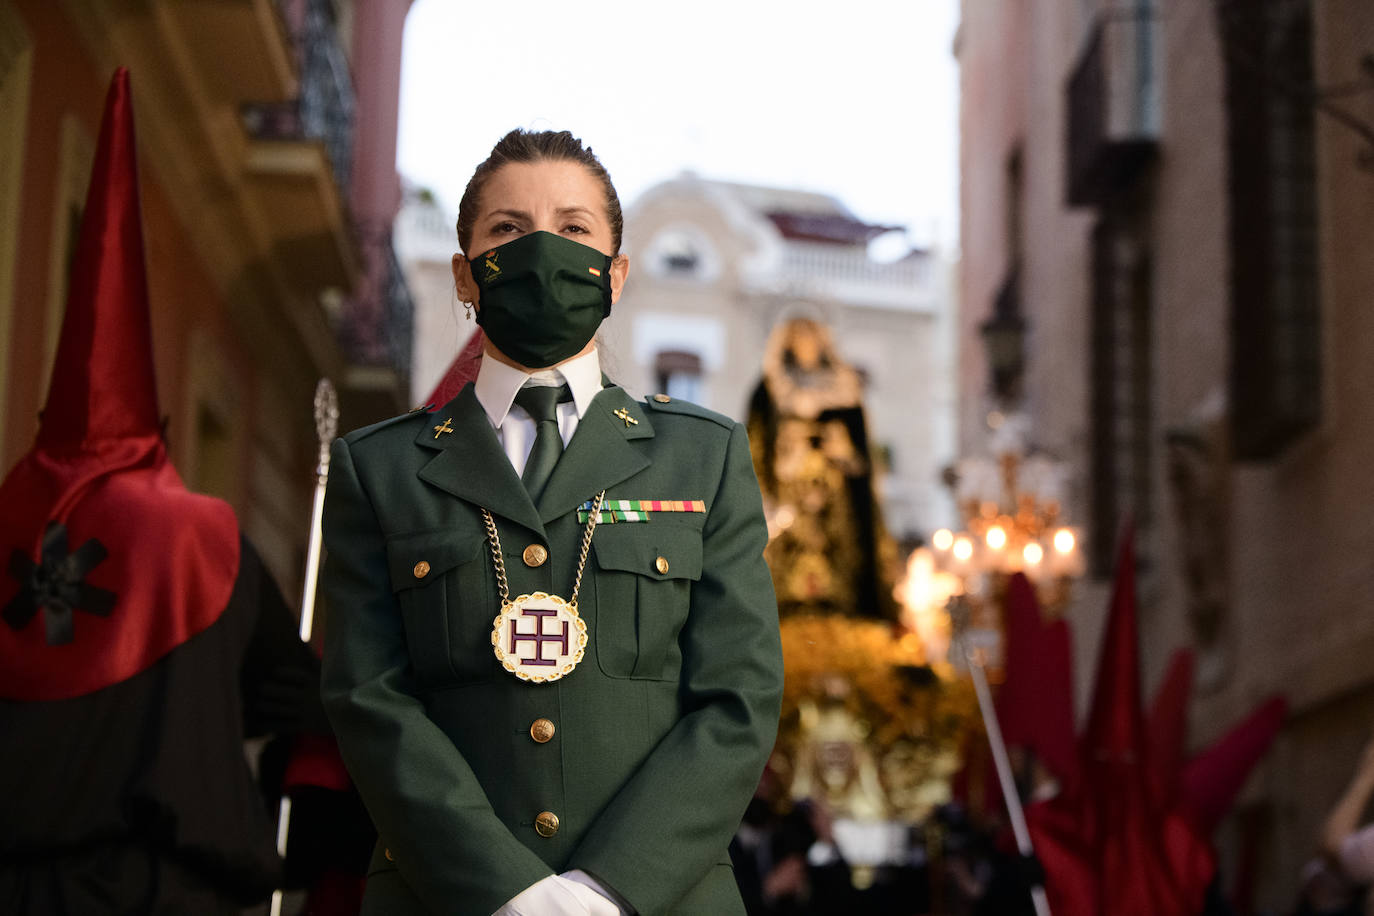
1299	528
16	66
441	328
718	298
1013	61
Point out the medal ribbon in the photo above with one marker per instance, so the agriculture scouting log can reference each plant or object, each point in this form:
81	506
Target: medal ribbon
637	510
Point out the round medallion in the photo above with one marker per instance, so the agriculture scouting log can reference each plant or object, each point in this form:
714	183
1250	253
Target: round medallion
539	637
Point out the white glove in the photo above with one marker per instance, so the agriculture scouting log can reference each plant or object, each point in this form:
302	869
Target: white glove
558	896
605	897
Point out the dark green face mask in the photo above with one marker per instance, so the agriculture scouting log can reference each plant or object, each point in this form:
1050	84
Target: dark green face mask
542	297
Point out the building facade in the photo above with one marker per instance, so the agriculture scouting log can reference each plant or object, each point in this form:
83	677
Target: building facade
266	135
426	240
715	267
1172	200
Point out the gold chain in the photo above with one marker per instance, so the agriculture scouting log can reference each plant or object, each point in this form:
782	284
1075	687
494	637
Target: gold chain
587	545
494	542
498	561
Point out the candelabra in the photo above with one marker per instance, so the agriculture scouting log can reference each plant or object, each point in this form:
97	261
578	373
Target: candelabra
1011	503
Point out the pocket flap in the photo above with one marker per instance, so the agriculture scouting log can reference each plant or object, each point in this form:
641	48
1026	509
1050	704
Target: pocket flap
421	557
659	550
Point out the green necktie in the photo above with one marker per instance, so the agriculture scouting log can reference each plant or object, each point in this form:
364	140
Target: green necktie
541	403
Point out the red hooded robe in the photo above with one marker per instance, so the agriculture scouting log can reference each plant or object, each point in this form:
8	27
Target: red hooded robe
95	505
140	636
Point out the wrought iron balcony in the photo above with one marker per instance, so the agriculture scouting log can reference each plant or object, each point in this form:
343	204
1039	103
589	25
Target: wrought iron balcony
1113	104
324	110
399	313
376	323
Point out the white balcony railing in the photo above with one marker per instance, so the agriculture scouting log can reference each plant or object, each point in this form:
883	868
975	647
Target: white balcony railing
849	274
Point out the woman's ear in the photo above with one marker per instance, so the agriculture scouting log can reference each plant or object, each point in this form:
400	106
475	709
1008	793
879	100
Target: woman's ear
463	282
620	269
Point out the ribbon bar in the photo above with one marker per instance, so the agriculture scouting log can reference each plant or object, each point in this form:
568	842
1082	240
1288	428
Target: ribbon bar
637	510
648	505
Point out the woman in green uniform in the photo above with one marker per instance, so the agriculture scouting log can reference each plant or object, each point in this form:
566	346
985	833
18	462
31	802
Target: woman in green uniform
552	653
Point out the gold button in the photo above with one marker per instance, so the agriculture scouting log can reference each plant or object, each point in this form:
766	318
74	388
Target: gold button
661	564
389	856
546	824
662	398
535	555
542	731
421	569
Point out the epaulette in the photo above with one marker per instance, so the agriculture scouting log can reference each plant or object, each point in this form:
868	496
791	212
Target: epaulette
664	404
364	431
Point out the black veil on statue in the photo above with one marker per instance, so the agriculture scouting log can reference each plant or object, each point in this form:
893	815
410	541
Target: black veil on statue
828	548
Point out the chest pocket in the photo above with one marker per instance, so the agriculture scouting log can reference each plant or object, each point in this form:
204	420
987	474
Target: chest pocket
644	582
447	595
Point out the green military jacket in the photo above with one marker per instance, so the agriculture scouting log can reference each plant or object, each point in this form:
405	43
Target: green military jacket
660	733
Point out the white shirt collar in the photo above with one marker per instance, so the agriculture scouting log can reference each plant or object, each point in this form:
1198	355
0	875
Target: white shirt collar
498	383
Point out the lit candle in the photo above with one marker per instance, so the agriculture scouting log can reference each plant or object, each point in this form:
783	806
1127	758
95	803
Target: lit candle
963	548
1066	559
963	554
996	537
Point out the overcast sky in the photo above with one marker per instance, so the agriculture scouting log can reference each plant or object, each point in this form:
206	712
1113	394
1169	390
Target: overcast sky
857	99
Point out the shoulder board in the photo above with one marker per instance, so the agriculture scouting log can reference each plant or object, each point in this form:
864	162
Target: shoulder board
365	431
661	403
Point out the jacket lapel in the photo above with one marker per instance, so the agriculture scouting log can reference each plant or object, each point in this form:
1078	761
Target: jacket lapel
600	454
470	463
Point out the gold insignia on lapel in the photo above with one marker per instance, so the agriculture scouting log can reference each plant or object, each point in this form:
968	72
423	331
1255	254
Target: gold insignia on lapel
443	428
624	414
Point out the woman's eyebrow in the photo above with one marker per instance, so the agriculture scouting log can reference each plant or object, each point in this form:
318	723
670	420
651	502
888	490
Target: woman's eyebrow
522	215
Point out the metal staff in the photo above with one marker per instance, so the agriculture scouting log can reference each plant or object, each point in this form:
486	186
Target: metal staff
326	427
958	612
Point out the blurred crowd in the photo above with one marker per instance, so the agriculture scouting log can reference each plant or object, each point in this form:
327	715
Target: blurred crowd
788	863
